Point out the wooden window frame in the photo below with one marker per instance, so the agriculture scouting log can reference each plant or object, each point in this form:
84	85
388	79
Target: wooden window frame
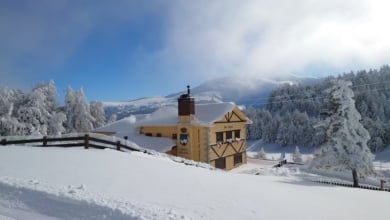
229	135
237	132
219	137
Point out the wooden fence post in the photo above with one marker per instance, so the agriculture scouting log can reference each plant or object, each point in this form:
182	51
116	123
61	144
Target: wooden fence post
86	141
126	142
118	145
382	184
44	141
4	141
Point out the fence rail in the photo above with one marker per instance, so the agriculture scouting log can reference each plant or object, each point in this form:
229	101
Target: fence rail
86	141
351	185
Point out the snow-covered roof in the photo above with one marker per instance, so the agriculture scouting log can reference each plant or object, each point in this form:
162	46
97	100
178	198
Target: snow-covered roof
120	125
129	127
204	114
163	116
210	113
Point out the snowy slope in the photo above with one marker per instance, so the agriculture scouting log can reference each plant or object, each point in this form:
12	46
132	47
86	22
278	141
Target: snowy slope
245	91
74	183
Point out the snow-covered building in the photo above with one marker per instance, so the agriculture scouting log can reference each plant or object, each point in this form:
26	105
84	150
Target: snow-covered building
212	133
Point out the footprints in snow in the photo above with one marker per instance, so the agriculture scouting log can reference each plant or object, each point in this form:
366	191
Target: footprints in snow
70	189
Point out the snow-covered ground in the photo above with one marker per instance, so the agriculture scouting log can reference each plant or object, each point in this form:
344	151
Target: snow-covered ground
56	183
274	152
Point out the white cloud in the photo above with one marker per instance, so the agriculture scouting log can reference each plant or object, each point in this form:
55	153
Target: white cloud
271	37
203	38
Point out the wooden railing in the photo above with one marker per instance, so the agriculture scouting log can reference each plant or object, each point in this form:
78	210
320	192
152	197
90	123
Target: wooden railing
91	140
351	185
86	141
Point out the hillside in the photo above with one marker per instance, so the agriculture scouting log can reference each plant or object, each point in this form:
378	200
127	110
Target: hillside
292	111
56	183
242	91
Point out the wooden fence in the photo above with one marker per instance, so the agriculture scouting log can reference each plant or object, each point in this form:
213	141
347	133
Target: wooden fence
86	141
351	185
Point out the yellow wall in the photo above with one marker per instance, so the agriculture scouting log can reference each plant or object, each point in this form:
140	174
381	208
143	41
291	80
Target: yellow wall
165	131
186	118
202	144
195	149
227	149
229	163
185	150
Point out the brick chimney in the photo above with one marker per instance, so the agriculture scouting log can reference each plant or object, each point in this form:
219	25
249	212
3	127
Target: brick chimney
186	107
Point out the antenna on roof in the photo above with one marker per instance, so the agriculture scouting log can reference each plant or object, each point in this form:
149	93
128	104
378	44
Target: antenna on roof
188	90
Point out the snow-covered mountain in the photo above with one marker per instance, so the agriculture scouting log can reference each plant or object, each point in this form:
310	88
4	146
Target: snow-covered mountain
242	91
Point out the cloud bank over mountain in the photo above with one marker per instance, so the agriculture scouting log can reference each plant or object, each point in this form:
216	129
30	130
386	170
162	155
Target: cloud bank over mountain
189	41
279	37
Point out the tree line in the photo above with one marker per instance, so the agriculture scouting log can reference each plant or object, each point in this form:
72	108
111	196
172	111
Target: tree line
38	112
292	111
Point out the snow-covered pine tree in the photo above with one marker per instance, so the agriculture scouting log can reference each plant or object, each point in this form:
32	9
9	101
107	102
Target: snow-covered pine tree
82	114
261	154
70	104
270	131
32	119
297	156
41	105
112	119
302	131
10	101
5	102
97	112
56	124
345	147
10	126
77	110
285	130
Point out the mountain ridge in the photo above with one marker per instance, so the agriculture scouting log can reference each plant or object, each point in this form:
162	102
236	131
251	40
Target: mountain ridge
242	91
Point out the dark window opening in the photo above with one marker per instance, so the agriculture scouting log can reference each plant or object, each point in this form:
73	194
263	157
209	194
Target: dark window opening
149	134
220	163
174	136
237	134
237	158
219	136
229	136
158	135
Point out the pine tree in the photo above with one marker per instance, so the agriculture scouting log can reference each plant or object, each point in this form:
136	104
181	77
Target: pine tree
112	119
261	154
5	102
297	156
97	112
56	124
40	106
32	119
82	114
345	147
70	104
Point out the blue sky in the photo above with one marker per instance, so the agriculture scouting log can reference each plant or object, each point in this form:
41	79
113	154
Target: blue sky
126	49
